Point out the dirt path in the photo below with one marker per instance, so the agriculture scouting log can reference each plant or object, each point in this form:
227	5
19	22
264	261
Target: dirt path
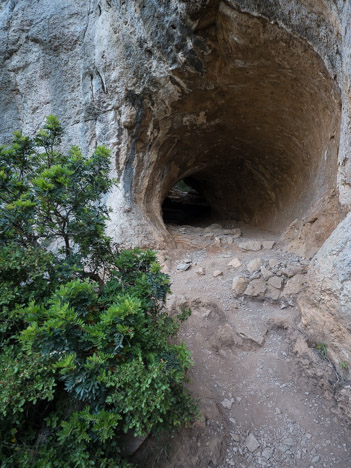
260	407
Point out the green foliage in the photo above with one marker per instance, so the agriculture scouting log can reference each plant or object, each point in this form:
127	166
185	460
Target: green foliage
182	186
85	351
344	365
50	197
323	350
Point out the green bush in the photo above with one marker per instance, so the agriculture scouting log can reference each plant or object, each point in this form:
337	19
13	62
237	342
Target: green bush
85	351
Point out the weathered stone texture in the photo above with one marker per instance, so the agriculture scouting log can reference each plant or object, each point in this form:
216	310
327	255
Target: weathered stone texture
250	99
92	63
153	79
326	306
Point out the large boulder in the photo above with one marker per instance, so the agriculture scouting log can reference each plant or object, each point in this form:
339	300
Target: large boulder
326	305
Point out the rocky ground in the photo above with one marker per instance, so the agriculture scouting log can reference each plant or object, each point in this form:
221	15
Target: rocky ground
266	394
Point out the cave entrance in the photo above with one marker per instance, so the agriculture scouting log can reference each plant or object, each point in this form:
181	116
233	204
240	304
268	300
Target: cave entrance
256	135
185	205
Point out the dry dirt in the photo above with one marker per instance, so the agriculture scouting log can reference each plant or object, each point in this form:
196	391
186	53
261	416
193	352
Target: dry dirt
266	396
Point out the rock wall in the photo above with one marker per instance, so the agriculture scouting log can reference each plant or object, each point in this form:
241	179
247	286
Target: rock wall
221	91
249	100
99	66
327	304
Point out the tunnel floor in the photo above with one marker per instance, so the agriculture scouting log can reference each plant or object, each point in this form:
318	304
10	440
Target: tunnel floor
245	362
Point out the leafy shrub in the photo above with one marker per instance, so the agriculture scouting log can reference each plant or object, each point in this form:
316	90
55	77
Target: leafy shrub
85	351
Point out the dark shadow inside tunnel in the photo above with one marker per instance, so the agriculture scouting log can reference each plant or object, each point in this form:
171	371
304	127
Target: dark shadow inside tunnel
184	205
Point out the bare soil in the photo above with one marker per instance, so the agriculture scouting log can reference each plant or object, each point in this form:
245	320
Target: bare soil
265	400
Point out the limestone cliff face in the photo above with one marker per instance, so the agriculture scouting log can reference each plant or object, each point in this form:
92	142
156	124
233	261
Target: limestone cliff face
250	100
222	91
100	66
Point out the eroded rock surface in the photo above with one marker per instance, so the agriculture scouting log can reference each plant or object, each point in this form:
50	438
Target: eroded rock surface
326	306
249	101
243	99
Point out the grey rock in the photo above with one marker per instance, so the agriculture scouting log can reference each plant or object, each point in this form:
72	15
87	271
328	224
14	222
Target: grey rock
268	245
239	285
227	404
256	287
236	233
267	453
183	266
272	293
273	262
294	285
266	274
254	265
288	441
251	442
293	270
235	263
217	273
128	116
326	304
251	245
275	282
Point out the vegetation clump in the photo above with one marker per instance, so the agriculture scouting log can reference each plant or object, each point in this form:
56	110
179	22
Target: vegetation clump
85	351
323	350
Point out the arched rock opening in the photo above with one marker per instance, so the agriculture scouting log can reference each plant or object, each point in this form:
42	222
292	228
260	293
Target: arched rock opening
257	134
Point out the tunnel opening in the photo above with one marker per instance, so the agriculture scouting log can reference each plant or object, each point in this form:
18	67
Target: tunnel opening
256	135
185	205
